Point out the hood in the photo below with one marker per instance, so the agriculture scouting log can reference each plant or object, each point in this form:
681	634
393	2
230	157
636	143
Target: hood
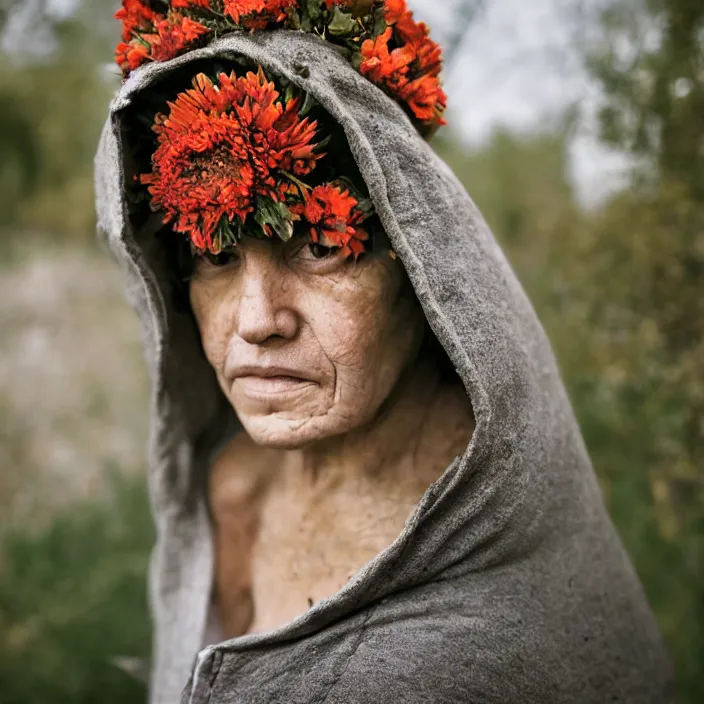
516	524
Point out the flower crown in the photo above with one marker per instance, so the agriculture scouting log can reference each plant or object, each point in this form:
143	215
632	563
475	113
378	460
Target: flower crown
240	154
235	156
379	37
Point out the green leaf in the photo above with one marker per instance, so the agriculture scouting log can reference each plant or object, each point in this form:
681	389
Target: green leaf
308	104
306	24
275	215
294	20
322	145
290	92
225	235
356	60
343	24
311	9
379	23
362	8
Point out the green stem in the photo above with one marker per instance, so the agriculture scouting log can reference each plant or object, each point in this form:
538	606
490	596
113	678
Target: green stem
298	182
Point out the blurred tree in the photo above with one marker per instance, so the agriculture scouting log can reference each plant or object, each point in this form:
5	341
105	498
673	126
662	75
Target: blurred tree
20	165
645	399
650	64
54	92
521	185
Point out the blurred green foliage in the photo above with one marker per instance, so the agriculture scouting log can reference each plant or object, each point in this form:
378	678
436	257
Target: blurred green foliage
619	289
72	600
54	92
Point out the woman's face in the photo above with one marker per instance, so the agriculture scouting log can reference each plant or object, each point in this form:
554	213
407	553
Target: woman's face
304	346
305	343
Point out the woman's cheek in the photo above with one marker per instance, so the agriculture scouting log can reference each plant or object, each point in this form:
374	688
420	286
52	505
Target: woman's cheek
212	318
344	335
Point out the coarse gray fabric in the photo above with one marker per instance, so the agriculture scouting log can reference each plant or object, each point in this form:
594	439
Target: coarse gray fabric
508	583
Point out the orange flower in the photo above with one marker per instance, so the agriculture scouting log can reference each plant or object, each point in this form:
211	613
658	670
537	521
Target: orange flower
393	9
221	147
130	56
380	65
185	4
335	219
426	99
258	14
409	73
136	17
169	37
416	34
175	34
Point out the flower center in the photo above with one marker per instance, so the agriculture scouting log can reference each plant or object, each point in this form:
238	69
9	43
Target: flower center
217	165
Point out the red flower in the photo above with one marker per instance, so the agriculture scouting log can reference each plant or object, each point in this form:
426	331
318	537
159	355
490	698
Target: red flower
258	14
186	4
426	99
409	73
220	147
403	60
130	56
136	17
393	9
334	217
380	65
416	34
169	37
175	34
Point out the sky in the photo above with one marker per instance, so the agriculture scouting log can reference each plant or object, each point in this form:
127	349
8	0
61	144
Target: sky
518	67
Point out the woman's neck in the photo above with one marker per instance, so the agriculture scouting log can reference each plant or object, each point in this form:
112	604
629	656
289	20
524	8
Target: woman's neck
419	429
292	527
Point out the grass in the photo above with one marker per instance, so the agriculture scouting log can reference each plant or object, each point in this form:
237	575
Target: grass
73	598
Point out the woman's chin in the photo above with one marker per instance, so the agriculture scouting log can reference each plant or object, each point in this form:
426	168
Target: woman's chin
283	432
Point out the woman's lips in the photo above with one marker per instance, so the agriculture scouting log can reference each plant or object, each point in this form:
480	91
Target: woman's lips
256	387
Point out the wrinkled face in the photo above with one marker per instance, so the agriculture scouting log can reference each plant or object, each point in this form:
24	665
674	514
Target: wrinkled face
305	343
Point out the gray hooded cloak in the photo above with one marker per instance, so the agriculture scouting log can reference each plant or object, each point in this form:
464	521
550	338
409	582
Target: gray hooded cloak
508	582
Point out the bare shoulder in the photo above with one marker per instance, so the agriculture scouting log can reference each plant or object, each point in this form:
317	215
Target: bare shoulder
240	474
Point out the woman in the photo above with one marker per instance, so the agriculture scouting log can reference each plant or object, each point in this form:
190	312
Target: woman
367	481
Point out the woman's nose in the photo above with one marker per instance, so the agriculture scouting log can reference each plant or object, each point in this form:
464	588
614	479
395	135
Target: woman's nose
264	309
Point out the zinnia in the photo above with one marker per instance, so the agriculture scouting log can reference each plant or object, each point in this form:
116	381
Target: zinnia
335	219
174	35
136	18
225	149
410	72
258	14
185	4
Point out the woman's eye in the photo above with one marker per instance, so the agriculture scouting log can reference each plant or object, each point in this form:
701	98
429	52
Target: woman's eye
318	251
223	258
216	261
313	255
